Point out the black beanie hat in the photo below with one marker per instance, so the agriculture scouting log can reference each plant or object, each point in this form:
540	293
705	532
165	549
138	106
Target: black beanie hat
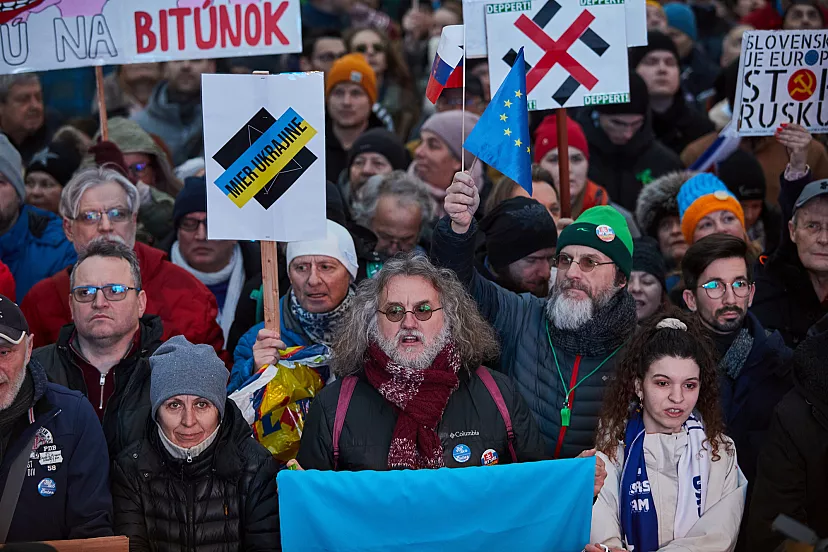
387	144
743	175
656	42
517	228
191	199
59	160
639	100
648	258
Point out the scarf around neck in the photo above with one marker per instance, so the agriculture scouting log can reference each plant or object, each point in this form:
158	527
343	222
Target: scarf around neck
639	519
734	360
609	328
420	398
320	327
233	273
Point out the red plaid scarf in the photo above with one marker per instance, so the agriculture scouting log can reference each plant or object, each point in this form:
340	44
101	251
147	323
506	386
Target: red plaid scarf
420	397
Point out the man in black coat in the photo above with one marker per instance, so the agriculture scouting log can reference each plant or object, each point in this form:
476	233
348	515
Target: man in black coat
104	353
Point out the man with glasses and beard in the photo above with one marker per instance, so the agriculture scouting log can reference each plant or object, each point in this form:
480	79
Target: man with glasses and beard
754	372
560	350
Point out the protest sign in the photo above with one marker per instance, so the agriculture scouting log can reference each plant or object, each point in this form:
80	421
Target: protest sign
474	18
576	53
536	506
40	35
264	138
783	78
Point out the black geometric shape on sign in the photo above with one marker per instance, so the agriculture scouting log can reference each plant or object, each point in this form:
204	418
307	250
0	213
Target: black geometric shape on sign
569	86
510	58
286	178
594	42
244	138
546	13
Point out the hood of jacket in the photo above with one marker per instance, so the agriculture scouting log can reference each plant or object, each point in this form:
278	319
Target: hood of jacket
659	199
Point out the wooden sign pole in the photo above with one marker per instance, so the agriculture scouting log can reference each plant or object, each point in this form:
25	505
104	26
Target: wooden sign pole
99	80
270	276
563	164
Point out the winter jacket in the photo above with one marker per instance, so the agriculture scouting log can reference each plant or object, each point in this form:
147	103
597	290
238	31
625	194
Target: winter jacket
680	125
792	478
35	248
471	418
220	501
166	120
624	170
715	531
771	155
65	494
184	304
698	76
7	285
526	354
41	138
127	411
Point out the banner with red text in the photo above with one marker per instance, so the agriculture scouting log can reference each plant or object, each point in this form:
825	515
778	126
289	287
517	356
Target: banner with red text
40	35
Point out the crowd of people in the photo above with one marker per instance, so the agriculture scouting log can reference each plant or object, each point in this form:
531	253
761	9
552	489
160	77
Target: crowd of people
674	324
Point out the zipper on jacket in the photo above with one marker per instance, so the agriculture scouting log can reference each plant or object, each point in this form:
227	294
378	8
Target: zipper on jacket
103	383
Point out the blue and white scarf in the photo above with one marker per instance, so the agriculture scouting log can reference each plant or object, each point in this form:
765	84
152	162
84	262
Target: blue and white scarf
639	520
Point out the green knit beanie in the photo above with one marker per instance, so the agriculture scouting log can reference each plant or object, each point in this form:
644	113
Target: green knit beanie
605	229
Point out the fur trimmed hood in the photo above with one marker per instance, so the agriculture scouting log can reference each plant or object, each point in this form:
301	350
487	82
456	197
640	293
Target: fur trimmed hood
658	200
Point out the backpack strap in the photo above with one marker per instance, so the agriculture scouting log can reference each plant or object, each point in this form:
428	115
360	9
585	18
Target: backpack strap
497	396
346	391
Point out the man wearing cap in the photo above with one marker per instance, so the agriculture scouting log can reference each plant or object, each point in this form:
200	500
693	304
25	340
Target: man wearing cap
32	243
624	154
52	448
376	152
698	71
675	122
48	172
350	94
561	350
520	246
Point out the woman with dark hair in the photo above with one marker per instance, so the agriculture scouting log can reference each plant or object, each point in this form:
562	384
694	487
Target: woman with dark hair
673	482
394	81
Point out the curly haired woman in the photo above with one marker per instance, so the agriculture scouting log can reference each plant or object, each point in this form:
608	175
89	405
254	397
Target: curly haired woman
673	482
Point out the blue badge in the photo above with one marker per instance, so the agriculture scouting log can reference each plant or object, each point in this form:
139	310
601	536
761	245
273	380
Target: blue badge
489	458
461	453
46	487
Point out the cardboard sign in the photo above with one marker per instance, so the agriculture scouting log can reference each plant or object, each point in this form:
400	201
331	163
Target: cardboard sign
474	17
531	507
576	55
264	138
41	35
783	78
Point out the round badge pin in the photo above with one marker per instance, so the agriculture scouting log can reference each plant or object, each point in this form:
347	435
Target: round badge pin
46	487
721	195
605	233
461	453
489	458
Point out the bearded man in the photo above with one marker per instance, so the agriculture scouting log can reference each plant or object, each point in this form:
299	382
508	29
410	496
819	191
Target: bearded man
561	351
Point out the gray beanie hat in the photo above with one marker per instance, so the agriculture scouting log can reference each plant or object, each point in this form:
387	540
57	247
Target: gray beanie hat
181	368
11	166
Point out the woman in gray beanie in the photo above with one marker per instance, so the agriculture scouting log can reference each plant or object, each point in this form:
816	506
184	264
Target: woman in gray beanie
198	480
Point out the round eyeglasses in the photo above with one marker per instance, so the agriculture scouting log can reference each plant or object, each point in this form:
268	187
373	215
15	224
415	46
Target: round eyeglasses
716	289
395	313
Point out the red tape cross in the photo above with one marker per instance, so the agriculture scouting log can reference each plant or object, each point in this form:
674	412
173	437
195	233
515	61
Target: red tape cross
556	51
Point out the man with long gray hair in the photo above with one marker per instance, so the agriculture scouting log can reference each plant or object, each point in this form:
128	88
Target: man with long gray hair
560	350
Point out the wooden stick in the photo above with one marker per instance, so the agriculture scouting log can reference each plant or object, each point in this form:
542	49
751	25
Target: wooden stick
270	277
99	80
563	164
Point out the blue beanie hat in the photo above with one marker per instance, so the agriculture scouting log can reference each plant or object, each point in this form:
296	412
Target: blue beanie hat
191	199
681	17
701	195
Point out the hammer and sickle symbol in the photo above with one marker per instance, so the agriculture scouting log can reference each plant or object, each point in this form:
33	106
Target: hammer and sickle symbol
805	84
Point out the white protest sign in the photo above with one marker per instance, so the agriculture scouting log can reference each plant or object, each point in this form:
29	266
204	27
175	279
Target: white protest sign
41	35
264	140
783	78
474	18
576	55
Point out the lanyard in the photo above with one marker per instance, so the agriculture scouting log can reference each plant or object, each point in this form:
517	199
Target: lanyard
566	411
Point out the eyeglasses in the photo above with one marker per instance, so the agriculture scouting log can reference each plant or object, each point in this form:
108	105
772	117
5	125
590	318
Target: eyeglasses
191	225
138	168
586	264
395	313
329	57
716	289
363	48
112	292
116	214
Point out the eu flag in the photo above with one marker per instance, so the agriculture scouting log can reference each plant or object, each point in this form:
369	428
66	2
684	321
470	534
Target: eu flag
501	136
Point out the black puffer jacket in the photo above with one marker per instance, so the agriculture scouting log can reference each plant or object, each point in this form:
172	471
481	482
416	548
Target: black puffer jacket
471	418
126	413
224	500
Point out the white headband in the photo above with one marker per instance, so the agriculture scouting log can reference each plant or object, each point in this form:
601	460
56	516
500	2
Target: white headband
672	324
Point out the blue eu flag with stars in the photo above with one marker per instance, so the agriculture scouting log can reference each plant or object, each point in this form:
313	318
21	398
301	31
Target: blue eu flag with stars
501	136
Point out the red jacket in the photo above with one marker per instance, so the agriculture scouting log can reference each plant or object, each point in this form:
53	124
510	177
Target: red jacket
7	286
184	304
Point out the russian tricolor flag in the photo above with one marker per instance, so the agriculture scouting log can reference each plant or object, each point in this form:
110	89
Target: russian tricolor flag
447	69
